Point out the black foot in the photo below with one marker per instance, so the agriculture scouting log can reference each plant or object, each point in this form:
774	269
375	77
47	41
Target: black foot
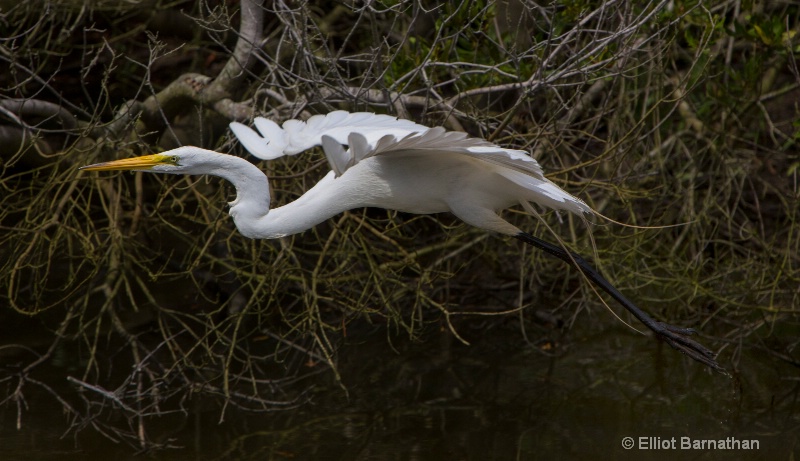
678	339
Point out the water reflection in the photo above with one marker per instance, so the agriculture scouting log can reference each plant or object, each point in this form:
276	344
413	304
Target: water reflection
575	397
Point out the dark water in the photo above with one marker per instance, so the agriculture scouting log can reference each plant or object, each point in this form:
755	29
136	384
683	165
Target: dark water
572	397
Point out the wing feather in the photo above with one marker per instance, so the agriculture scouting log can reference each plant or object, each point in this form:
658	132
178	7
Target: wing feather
338	158
296	136
267	144
437	139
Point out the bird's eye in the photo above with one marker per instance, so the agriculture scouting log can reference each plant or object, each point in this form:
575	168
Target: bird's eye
175	159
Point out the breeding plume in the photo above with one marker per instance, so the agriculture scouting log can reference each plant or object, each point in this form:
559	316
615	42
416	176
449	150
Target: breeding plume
396	165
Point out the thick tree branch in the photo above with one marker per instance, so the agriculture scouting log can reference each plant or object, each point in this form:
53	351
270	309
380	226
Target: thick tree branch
192	88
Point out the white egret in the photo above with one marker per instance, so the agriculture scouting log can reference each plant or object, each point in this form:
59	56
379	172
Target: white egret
421	172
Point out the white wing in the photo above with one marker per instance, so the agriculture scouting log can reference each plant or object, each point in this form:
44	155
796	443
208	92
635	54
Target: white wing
272	141
515	165
437	139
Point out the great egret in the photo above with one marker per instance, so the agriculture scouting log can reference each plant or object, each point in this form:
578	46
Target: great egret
421	172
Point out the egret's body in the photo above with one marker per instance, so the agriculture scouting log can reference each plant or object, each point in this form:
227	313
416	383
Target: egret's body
393	183
426	171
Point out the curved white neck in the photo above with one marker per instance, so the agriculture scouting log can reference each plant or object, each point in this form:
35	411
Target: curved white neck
255	220
251	209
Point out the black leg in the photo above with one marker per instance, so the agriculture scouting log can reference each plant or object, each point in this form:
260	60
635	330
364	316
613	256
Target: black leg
676	337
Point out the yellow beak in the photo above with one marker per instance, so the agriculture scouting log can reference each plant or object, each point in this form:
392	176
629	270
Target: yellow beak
144	162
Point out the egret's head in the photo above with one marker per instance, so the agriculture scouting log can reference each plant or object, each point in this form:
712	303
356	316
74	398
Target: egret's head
183	160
